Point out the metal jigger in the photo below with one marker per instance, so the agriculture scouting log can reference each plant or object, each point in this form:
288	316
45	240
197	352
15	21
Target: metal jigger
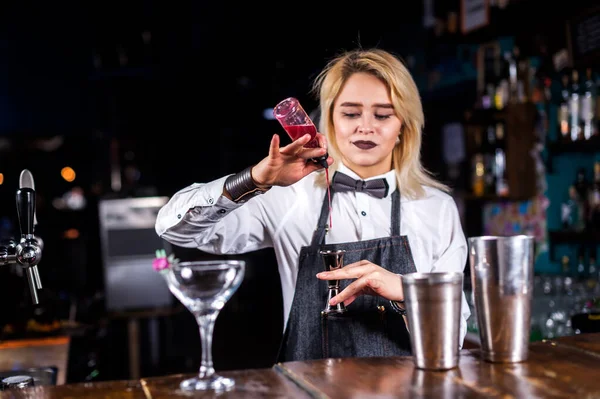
333	260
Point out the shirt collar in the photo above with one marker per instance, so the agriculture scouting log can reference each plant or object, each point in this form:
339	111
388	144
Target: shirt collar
389	176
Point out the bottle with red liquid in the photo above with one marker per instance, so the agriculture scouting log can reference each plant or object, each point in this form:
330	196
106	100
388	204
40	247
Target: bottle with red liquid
296	122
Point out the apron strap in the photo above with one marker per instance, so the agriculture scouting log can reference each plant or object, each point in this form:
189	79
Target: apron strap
396	209
321	231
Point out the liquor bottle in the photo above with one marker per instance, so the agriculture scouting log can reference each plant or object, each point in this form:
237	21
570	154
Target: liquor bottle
587	106
565	265
592	278
502	90
563	109
592	268
597	111
513	82
488	85
489	151
478	179
452	22
523	77
582	187
581	272
572	212
567	277
575	107
478	167
594	199
500	162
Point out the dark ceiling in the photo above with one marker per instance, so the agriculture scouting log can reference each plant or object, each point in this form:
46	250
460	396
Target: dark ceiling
196	91
223	47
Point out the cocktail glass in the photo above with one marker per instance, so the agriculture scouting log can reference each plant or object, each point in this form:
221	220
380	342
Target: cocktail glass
204	287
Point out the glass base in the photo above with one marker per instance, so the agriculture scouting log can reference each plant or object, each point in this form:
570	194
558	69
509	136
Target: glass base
214	383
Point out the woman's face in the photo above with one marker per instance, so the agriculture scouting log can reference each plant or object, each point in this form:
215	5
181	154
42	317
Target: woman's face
366	126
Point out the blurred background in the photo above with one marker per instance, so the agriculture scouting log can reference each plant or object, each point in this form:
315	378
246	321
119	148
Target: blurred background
114	106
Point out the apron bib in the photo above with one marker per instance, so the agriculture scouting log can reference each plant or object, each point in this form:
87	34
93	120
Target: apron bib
369	327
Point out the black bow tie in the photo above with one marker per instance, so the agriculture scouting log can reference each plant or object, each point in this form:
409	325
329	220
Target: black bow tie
377	187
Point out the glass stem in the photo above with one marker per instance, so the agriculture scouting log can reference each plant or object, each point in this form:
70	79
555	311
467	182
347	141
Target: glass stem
206	322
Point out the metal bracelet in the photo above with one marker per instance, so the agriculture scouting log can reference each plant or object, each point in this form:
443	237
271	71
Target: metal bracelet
396	308
241	187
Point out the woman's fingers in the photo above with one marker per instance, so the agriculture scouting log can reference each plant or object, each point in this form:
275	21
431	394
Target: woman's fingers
308	153
298	150
349	300
322	140
353	270
274	146
359	264
369	279
296	145
351	291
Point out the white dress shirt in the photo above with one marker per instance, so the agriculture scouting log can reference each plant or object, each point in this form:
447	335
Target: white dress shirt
285	218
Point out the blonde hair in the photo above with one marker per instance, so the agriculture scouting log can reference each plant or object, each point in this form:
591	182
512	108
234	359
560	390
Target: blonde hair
404	95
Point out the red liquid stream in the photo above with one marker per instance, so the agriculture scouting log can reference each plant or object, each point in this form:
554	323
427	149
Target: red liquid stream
328	197
297	131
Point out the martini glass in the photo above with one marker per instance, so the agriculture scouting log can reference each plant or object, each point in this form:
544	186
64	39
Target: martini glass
204	287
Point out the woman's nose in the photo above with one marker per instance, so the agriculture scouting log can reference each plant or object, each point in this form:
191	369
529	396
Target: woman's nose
365	125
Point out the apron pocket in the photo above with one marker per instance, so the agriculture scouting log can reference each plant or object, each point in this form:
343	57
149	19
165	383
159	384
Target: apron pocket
364	334
336	335
353	334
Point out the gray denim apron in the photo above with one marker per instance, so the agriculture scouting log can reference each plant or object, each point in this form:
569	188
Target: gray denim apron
370	327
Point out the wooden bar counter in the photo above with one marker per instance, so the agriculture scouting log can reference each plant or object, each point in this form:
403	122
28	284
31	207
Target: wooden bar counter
567	367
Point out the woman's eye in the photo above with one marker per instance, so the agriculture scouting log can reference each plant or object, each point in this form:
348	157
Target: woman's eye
382	116
350	115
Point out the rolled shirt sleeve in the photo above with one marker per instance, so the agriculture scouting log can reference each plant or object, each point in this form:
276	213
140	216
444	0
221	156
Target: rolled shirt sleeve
200	216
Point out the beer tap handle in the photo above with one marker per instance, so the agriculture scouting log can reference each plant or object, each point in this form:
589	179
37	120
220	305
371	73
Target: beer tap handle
26	181
26	211
28	251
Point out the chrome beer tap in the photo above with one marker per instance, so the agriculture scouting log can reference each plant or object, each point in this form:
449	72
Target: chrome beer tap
28	251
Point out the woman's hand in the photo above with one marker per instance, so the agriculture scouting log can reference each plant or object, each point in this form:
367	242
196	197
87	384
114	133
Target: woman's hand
370	279
287	165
